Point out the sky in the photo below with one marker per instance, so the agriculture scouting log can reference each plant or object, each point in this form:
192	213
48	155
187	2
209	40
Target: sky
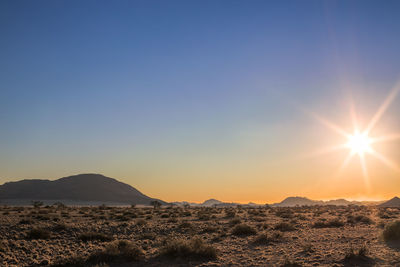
190	100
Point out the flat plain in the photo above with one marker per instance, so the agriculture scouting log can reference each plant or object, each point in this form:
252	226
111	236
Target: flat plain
199	236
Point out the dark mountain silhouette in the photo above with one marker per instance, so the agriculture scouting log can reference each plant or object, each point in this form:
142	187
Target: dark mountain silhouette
394	202
77	188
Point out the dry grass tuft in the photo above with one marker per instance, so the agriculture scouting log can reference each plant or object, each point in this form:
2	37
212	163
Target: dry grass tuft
265	239
188	249
243	230
357	257
391	232
91	236
38	233
117	251
329	224
284	227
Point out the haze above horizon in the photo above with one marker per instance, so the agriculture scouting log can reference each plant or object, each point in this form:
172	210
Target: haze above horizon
185	100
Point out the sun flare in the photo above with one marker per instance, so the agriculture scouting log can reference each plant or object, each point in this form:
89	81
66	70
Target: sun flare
359	143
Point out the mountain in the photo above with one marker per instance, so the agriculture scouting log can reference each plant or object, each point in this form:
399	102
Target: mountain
211	202
340	202
394	202
297	201
303	201
81	189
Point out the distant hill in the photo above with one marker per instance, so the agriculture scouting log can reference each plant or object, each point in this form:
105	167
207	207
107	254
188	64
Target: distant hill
394	202
211	202
287	202
303	201
297	201
216	203
79	189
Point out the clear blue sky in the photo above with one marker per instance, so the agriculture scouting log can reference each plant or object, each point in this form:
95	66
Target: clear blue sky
121	87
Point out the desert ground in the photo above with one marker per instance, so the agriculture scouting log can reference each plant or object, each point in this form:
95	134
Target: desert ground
188	236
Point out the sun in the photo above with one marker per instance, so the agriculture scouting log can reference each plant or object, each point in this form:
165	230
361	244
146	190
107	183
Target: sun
359	143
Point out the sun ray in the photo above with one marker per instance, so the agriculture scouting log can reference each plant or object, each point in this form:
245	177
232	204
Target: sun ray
324	151
383	108
385	138
359	141
345	162
364	171
353	115
385	160
330	125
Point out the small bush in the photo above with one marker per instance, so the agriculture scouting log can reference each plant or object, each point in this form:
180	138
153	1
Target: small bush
357	256
284	213
91	236
235	221
210	229
391	232
230	213
290	263
243	230
329	224
38	233
264	239
25	221
359	219
188	249
284	227
185	225
59	227
121	250
141	222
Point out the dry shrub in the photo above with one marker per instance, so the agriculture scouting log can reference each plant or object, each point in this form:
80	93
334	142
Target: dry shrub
119	250
210	229
230	213
359	219
286	213
91	236
188	249
265	239
60	227
243	230
38	233
290	263
391	232
329	224
141	222
25	221
284	227
235	221
357	257
185	225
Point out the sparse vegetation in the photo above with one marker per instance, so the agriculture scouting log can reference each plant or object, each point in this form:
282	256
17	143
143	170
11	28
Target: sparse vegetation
243	230
284	227
266	239
357	257
91	236
38	233
328	224
359	219
188	249
192	234
391	232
